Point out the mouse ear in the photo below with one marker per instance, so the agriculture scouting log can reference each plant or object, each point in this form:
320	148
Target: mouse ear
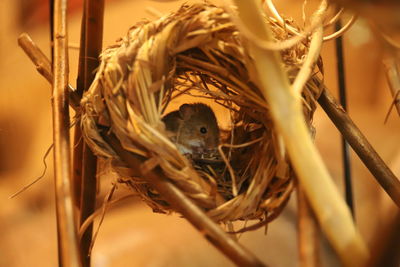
186	111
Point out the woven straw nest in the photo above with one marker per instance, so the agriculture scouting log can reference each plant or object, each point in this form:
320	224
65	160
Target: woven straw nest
196	50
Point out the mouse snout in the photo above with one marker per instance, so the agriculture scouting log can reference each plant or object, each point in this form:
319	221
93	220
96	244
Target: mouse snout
212	144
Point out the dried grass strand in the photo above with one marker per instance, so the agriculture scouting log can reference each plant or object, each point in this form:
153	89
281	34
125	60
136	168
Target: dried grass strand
342	30
38	178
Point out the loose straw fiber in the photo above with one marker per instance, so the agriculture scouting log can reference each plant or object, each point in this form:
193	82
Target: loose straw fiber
196	50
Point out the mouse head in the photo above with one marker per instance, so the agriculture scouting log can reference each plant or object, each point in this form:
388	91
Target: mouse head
199	130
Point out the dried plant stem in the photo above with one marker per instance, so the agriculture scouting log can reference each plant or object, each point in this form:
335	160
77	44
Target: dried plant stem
100	211
286	110
43	64
387	38
270	5
90	49
77	161
393	78
88	199
66	222
342	30
335	18
361	146
188	209
281	45
91	43
307	233
313	52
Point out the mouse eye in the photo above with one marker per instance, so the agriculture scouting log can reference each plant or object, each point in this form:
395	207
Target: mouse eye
203	130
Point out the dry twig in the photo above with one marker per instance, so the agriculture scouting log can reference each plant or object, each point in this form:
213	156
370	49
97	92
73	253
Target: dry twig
361	146
393	78
84	160
43	65
66	222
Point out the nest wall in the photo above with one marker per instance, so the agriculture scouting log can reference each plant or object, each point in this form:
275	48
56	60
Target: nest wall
196	50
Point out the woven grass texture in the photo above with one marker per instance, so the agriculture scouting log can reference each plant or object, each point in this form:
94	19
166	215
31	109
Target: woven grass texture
195	51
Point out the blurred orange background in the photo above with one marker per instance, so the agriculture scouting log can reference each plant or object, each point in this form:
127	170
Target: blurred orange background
131	234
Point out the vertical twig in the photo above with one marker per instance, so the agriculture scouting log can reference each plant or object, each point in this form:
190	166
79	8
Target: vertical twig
66	223
88	200
307	232
77	165
343	101
90	49
91	42
51	16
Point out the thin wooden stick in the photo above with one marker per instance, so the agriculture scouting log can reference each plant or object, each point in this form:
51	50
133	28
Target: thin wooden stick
91	43
90	49
66	222
341	78
211	231
77	161
43	65
393	78
333	215
88	200
361	146
307	233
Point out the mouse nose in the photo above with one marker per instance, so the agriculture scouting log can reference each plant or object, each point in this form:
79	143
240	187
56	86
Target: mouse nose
212	143
211	146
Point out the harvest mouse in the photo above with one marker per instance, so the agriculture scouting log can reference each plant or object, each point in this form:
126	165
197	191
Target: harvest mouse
194	129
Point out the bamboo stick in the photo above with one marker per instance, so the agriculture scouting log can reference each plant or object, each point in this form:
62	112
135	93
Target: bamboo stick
66	227
211	231
286	110
361	146
90	49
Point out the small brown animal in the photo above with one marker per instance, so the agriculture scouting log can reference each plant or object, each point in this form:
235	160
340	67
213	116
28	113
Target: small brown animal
194	129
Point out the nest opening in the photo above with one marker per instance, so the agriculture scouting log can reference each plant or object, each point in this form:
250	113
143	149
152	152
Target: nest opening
195	52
